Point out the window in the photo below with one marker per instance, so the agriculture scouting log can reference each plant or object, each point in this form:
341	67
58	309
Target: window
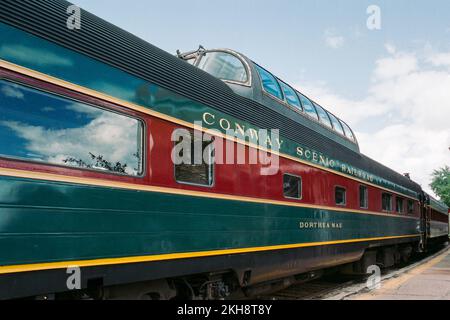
308	107
290	95
410	207
42	127
386	201
323	116
348	131
340	195
399	204
190	165
269	83
224	66
336	125
363	197
292	186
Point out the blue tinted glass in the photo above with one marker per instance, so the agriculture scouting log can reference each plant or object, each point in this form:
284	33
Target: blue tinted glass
270	84
336	125
308	107
348	131
290	95
41	127
323	116
223	65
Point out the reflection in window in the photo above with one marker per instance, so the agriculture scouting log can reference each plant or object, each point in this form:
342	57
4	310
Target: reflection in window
340	195
336	125
308	107
410	207
290	95
386	200
270	84
292	186
193	168
224	66
399	204
348	131
42	127
323	116
363	197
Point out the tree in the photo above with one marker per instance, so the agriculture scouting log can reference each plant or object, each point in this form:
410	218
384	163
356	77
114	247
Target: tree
441	184
98	162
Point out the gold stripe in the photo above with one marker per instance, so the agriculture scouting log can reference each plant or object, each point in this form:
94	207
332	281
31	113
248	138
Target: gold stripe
130	186
132	106
174	256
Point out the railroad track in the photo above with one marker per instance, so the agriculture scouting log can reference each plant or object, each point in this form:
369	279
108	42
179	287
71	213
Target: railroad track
340	287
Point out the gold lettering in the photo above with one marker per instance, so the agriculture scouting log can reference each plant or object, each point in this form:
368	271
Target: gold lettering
207	114
332	163
279	142
240	129
253	134
225	124
315	157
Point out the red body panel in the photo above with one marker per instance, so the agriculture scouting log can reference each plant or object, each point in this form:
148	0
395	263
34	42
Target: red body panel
239	180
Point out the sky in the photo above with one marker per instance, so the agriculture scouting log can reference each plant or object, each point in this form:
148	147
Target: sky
391	84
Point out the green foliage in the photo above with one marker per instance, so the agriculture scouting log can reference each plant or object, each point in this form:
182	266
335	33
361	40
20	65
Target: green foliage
441	184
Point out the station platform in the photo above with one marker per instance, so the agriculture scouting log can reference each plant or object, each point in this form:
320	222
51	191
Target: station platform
428	281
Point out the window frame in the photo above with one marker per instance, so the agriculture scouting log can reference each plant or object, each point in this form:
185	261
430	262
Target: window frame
286	102
212	171
264	91
316	119
336	187
114	108
248	83
332	116
366	189
344	126
316	105
302	111
300	186
413	211
391	196
397	198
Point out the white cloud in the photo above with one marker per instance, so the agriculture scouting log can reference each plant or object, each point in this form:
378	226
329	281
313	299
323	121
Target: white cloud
333	40
48	109
12	91
440	59
404	121
397	64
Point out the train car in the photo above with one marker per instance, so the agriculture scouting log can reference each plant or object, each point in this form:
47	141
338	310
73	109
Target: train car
437	227
92	203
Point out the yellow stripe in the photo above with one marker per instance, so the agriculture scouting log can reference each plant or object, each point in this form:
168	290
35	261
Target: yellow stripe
129	186
132	106
174	256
